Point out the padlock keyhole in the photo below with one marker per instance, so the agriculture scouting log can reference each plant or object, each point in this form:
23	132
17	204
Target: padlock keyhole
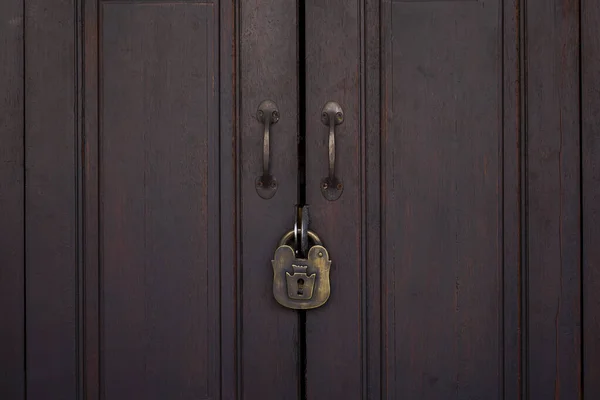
300	287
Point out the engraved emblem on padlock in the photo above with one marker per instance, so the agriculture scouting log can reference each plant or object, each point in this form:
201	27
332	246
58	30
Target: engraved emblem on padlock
301	283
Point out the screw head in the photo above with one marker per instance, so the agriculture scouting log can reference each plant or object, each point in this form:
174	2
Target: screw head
339	116
325	186
339	186
320	254
275	116
259	183
273	184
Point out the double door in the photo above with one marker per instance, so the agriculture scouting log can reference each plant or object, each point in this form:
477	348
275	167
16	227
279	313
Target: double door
137	242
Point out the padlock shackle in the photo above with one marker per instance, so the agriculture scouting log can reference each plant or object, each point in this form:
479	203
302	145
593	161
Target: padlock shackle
290	235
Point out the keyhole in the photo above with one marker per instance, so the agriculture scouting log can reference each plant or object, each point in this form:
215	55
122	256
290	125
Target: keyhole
300	286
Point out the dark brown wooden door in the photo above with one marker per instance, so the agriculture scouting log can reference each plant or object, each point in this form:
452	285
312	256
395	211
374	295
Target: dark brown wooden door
135	251
464	264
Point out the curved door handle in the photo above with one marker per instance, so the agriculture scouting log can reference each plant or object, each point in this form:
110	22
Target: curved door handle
268	114
331	186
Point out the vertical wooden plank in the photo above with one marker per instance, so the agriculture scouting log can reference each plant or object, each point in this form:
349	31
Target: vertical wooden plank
228	86
159	187
371	173
51	199
442	198
93	354
553	193
91	224
512	144
12	311
268	68
334	332
590	95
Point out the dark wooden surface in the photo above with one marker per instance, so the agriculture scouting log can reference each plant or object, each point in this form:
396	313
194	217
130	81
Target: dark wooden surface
12	307
464	251
227	86
371	173
442	196
512	200
590	142
269	335
159	202
480	201
334	336
89	345
51	217
552	185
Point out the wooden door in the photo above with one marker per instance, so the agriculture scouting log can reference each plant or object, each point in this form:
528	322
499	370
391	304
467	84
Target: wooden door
135	259
135	250
464	264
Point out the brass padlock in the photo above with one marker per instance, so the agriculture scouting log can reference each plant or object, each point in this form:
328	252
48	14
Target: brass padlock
301	283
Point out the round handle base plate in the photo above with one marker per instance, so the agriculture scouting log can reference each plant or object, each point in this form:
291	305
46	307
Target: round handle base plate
331	188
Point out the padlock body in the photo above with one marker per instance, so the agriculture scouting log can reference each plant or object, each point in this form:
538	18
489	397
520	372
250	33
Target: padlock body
301	283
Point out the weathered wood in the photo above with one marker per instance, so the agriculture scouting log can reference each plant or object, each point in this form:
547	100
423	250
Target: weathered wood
334	337
141	250
442	195
90	298
12	307
269	336
159	209
371	152
512	200
228	88
552	185
51	206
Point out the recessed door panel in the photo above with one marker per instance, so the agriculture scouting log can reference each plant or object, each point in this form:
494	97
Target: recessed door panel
159	207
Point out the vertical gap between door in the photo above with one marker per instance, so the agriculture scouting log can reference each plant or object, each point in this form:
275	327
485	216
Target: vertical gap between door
581	216
25	160
301	13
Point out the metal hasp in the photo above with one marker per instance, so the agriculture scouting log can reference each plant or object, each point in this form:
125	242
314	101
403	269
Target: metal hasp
268	114
301	283
331	186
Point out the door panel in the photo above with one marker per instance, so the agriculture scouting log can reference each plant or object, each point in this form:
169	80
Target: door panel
141	159
476	294
441	150
463	245
553	193
173	214
159	188
268	70
333	333
12	377
52	208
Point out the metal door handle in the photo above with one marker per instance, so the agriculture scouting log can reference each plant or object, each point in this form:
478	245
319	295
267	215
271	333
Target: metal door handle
331	186
268	114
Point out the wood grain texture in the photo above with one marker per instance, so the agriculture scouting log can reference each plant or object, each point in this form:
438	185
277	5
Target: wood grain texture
512	200
442	199
371	173
159	202
90	297
12	307
268	70
553	200
51	199
334	336
590	110
228	89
